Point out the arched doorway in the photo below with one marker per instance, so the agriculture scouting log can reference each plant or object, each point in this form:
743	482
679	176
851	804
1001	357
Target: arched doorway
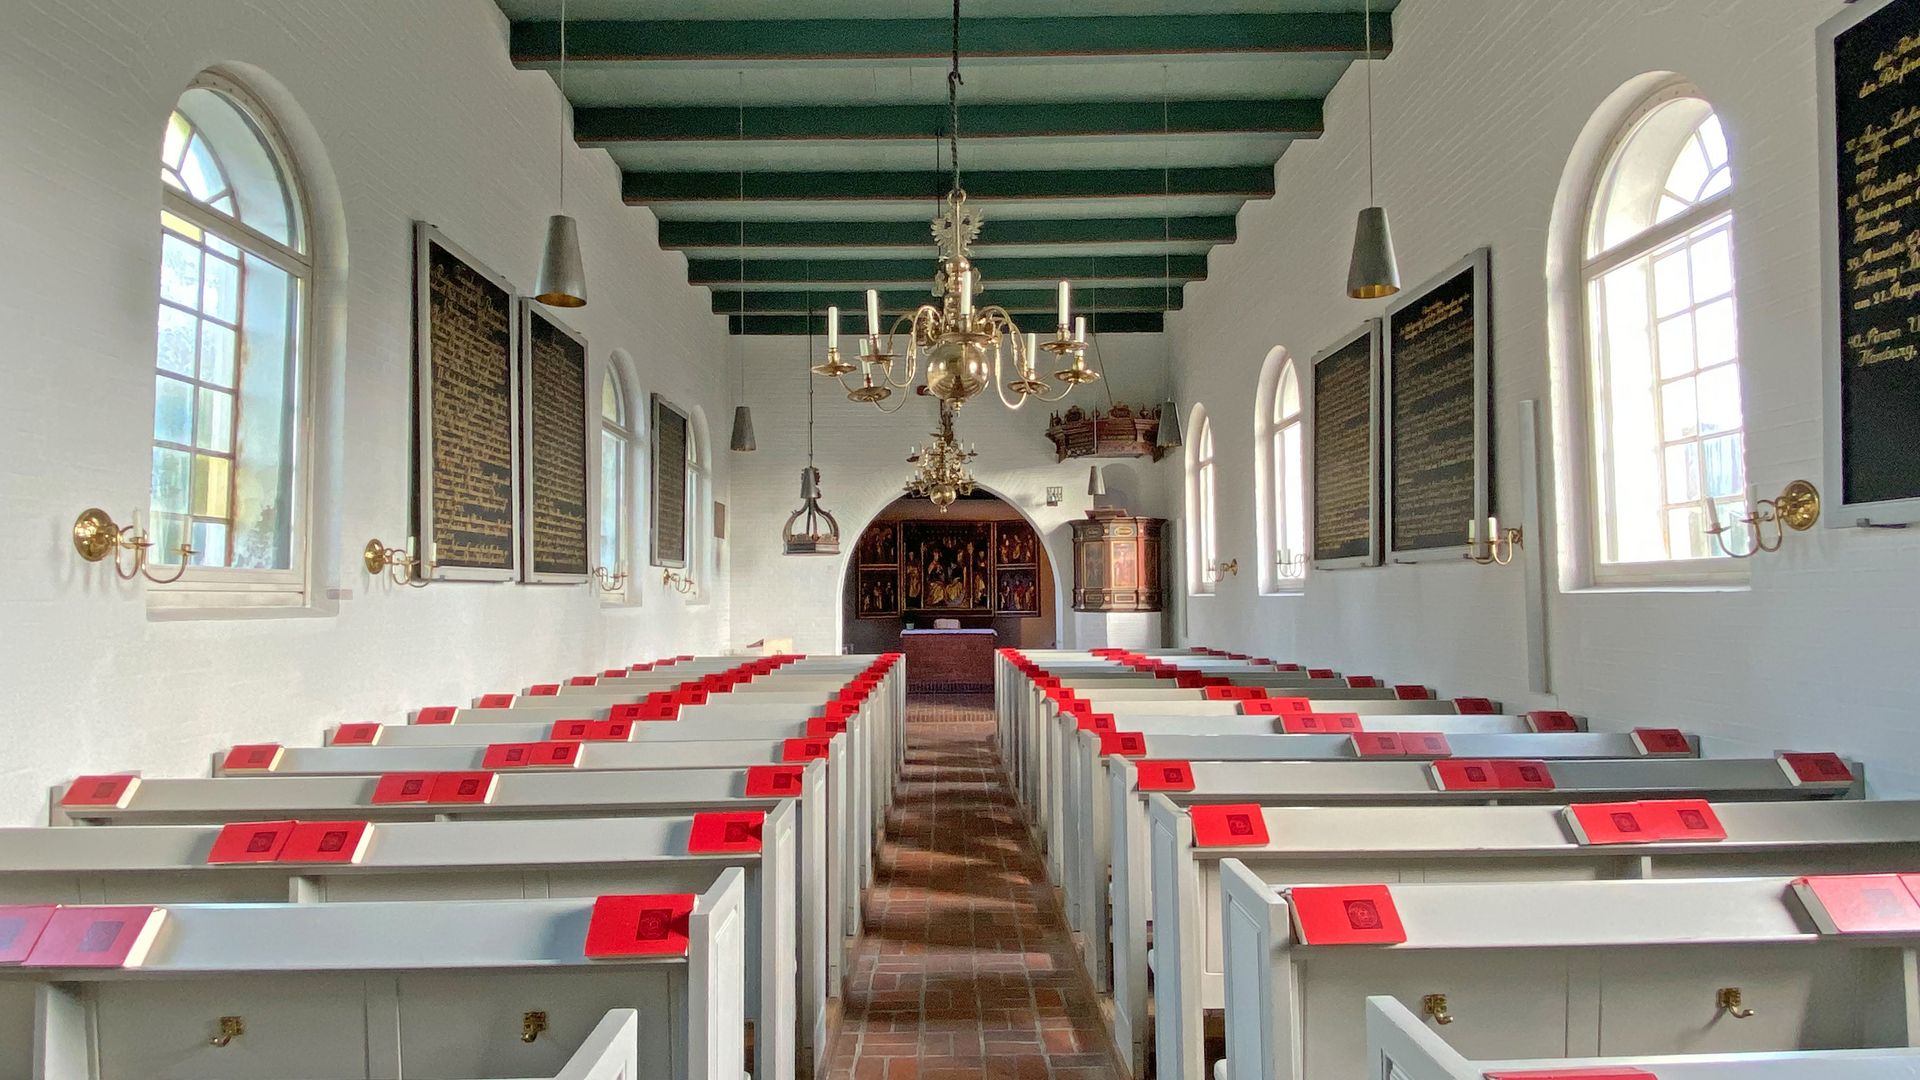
979	566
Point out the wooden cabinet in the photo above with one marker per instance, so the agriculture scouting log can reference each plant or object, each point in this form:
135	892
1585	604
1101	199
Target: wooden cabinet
1117	562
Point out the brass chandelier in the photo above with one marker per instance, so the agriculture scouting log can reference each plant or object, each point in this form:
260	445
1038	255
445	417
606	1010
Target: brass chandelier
940	469
962	346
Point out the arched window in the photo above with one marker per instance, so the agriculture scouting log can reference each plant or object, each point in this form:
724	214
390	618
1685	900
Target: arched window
616	455
1202	550
229	449
1283	474
1663	358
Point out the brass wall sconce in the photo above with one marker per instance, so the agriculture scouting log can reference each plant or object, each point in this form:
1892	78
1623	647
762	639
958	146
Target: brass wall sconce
401	565
1230	568
532	1025
1290	564
96	536
1435	1005
1727	1000
1497	548
677	581
1797	508
230	1028
610	582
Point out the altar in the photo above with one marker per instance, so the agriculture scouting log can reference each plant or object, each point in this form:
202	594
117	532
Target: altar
950	661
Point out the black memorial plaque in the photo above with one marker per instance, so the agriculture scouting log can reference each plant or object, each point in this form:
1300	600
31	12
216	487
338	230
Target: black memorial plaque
1437	416
1346	466
556	495
670	434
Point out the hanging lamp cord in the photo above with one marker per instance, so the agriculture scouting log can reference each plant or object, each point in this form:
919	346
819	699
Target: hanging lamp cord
565	110
1373	199
953	99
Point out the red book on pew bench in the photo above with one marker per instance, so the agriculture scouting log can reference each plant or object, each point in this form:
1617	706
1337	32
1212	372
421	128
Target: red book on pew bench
356	735
792	750
840	710
1465	774
462	787
1235	693
328	842
435	714
1473	706
1324	723
550	689
1859	903
1376	744
252	758
644	711
1517	775
532	755
1684	819
1321	673
1425	744
1408	692
1600	1073
719	833
689	694
1076	707
1275	706
1345	915
250	842
573	730
627	926
1603	824
1233	825
1286	667
1605	1072
494	701
1543	721
820	727
1163	775
115	791
614	673
1363	682
1122	744
1094	721
403	787
773	781
1816	770
21	926
97	937
584	680
1661	742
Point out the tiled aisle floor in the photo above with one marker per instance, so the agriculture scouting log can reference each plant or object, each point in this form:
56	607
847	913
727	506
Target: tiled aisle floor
966	972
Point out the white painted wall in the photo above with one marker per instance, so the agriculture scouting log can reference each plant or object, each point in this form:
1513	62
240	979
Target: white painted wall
420	115
1479	109
862	458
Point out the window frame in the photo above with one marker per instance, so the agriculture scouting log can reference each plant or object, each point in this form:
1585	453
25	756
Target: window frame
622	429
1203	494
698	521
1273	479
215	586
1590	414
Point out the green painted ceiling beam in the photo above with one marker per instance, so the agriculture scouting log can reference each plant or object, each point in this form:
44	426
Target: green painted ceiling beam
874	272
915	235
852	302
605	126
661	187
536	44
1105	322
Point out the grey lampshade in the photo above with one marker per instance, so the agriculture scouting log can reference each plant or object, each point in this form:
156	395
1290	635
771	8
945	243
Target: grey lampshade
742	441
1168	437
1374	272
562	281
1096	483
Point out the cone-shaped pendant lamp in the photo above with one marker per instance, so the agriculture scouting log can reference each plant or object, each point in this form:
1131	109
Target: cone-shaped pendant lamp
1168	437
1374	271
1096	482
742	430
563	280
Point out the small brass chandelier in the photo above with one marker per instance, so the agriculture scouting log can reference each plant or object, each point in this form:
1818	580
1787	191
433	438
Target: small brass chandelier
940	469
964	346
812	529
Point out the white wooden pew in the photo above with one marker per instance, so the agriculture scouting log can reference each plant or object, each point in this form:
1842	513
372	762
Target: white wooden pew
514	795
1352	844
468	860
1559	969
1083	815
385	990
1400	1046
1380	783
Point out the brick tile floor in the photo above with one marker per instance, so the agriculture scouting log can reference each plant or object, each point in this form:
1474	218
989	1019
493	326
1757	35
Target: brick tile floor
966	971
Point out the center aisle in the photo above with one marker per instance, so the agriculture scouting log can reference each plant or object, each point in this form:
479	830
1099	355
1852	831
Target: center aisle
966	971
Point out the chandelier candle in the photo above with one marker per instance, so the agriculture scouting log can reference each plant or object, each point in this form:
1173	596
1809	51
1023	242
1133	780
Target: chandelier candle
873	314
833	329
1066	296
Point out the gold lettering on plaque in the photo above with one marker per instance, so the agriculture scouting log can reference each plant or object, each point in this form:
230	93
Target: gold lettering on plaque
471	385
557	473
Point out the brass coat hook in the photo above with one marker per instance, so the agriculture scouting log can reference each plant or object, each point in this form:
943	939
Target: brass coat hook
231	1028
1435	1005
1727	1000
532	1024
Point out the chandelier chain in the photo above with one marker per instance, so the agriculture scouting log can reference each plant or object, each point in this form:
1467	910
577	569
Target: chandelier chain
954	82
